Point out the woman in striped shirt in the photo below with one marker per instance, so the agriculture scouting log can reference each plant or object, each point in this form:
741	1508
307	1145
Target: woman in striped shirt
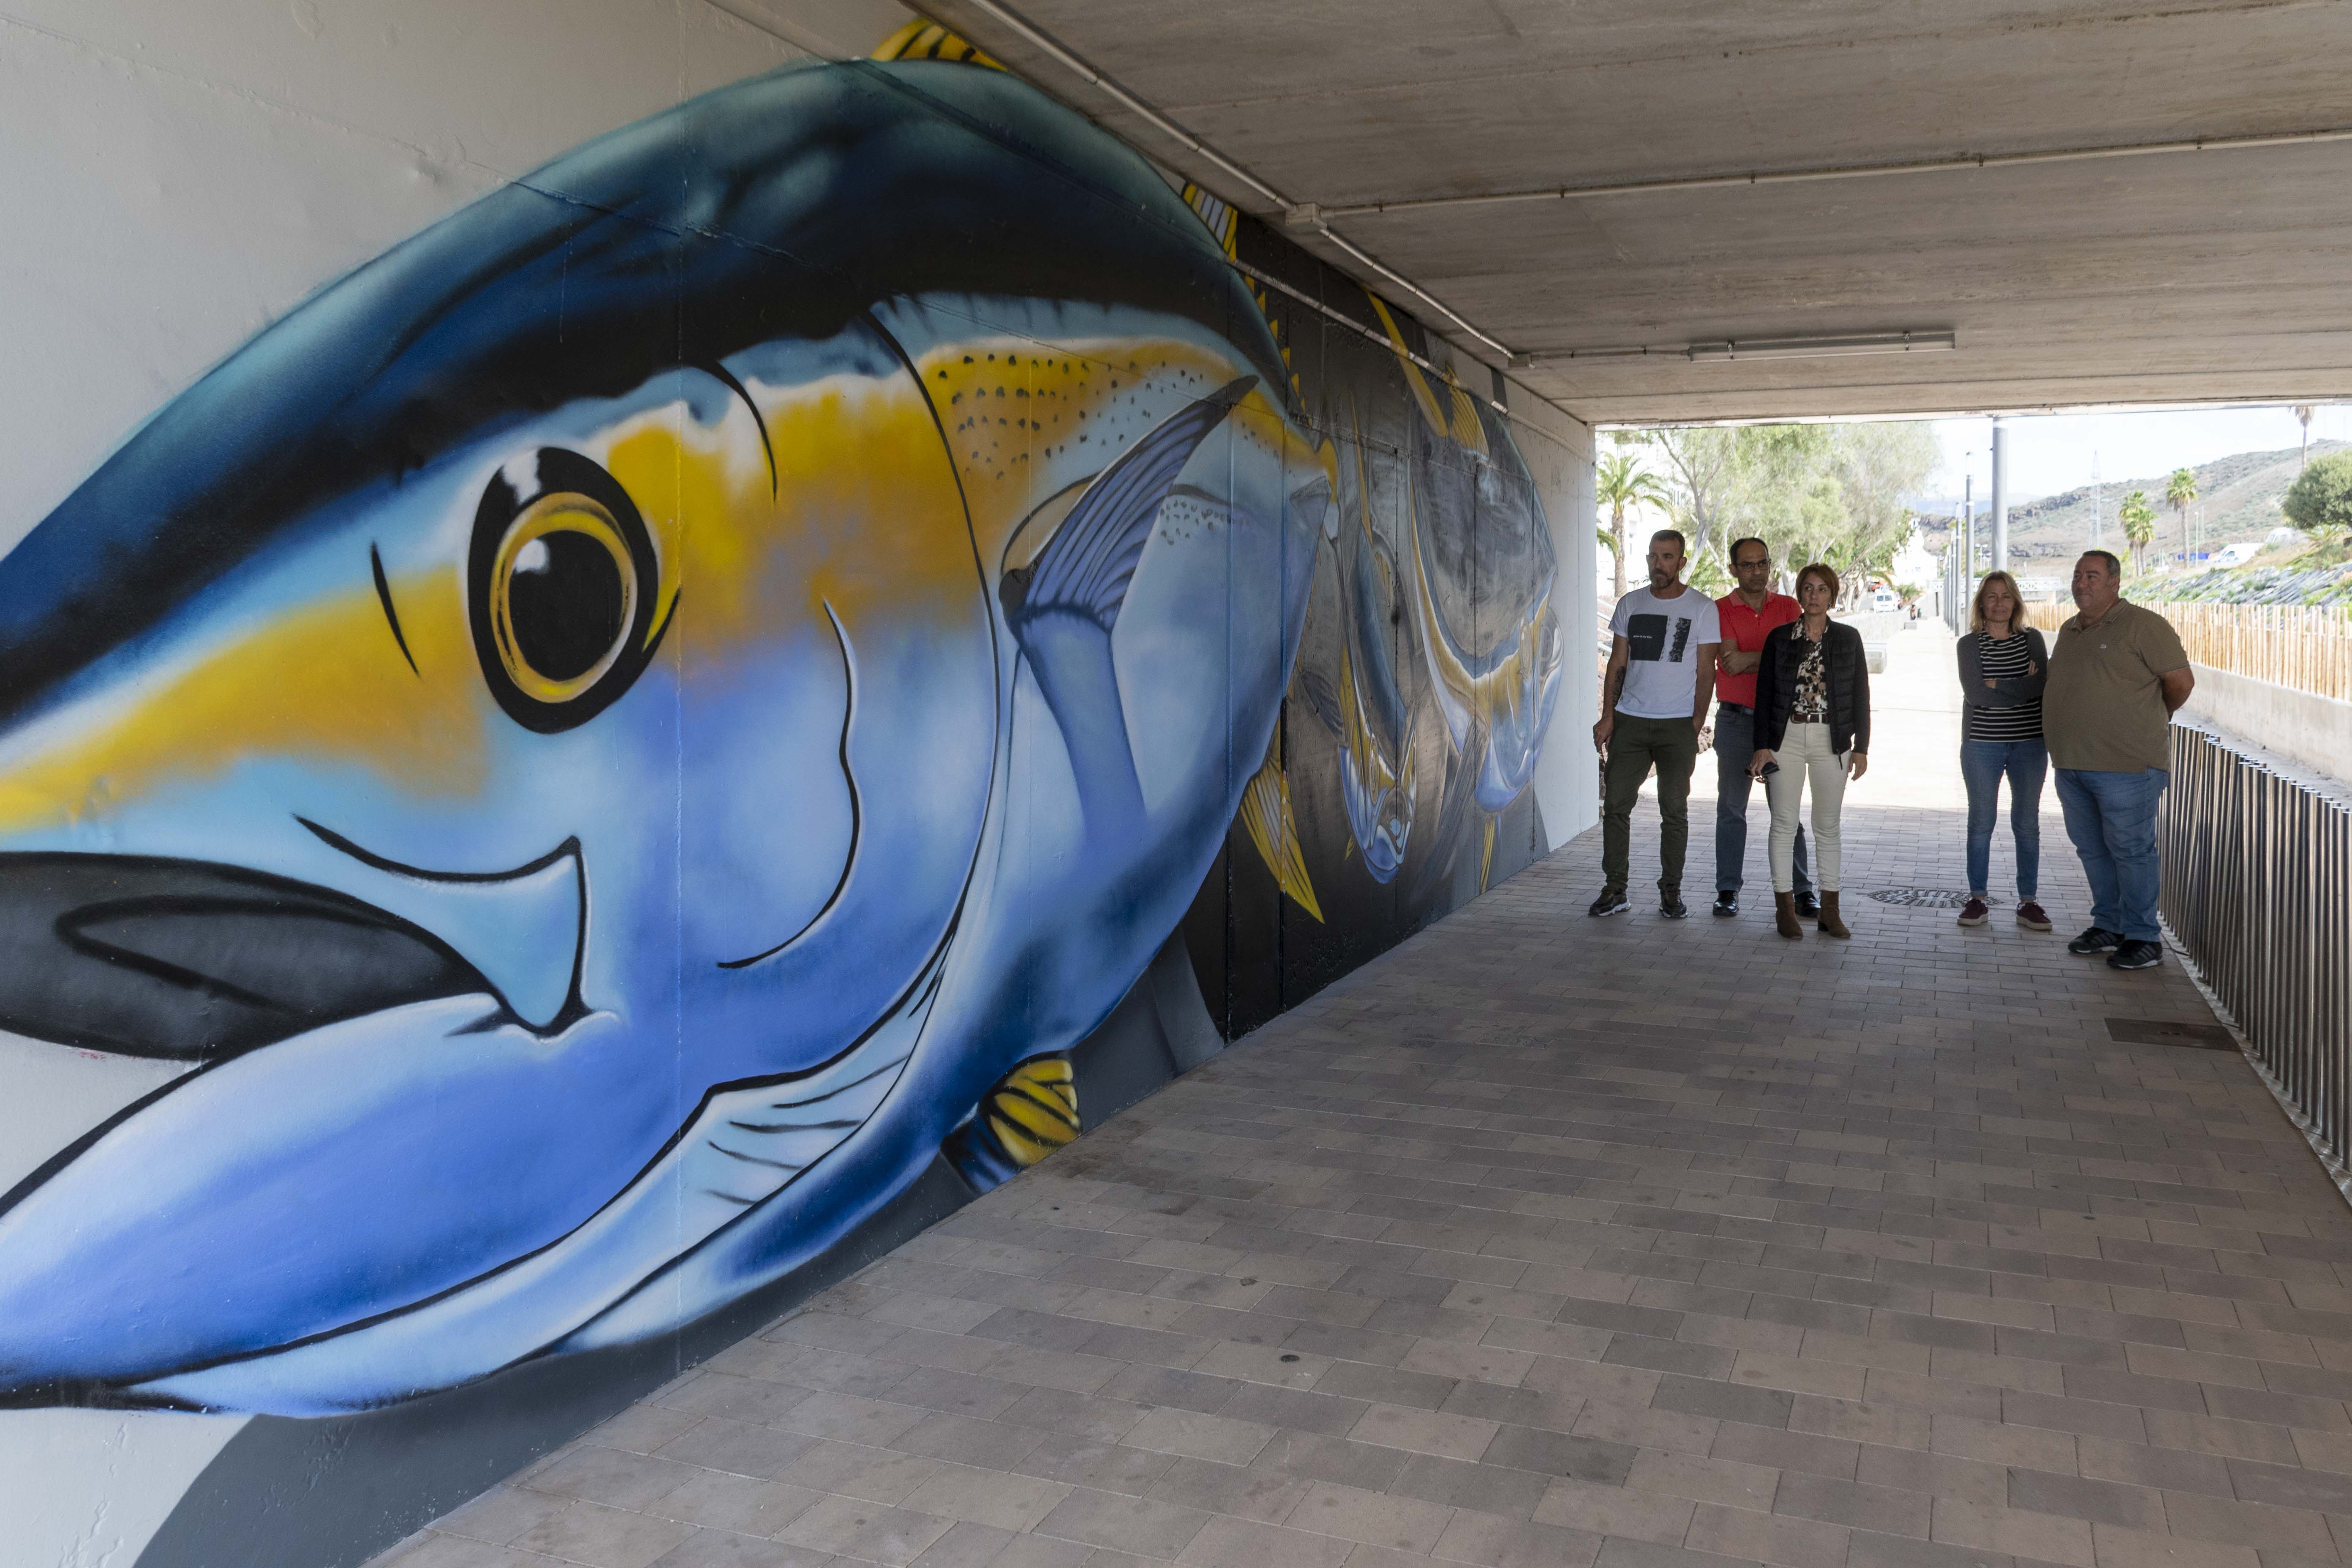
2003	664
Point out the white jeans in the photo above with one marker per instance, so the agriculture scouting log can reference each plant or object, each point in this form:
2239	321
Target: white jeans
1805	752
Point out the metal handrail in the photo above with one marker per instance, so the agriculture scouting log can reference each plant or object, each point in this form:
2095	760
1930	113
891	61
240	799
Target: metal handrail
2257	894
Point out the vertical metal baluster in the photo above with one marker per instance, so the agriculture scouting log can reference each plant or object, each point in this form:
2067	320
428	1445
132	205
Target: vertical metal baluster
2290	908
2301	916
2266	876
2336	995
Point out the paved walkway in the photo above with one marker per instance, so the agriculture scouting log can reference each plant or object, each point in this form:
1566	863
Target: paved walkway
1546	1241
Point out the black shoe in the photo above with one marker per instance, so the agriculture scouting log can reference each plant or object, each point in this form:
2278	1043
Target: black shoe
2136	955
1727	903
1672	908
2098	939
1807	907
1612	902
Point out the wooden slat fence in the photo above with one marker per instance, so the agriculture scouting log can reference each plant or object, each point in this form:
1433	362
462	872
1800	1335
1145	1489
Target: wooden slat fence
2306	646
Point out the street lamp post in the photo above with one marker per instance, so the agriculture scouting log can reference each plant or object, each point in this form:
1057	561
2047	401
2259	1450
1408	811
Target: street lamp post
2000	495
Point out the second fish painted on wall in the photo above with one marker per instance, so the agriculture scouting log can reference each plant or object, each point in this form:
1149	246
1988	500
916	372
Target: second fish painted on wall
618	736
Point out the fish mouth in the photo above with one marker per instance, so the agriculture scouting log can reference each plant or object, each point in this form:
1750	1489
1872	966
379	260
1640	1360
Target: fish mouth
190	961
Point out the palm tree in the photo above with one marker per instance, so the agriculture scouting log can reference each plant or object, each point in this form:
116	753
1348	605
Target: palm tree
1619	481
2178	491
2138	519
2303	411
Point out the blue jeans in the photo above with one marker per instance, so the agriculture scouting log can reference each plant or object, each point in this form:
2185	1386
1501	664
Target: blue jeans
2111	817
1735	742
2027	763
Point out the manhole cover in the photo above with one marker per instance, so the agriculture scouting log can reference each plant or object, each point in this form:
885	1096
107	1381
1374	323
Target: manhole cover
1921	897
2164	1032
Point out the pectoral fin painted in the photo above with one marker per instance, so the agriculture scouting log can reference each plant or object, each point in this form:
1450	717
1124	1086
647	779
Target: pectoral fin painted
1267	817
1032	1111
1064	604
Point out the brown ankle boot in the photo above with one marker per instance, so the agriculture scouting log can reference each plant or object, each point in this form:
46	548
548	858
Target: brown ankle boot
1784	917
1829	923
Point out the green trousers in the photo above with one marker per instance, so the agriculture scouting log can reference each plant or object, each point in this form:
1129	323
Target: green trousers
1635	746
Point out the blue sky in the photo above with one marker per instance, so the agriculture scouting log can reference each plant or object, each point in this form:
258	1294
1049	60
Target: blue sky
2054	452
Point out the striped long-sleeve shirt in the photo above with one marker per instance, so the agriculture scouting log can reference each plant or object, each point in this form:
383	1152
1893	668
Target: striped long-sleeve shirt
2010	658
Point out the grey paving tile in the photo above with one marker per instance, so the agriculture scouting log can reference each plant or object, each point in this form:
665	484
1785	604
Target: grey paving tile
718	1444
1561	1454
604	1537
727	1548
1135	1525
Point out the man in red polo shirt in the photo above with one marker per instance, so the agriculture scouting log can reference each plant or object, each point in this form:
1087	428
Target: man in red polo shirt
1747	612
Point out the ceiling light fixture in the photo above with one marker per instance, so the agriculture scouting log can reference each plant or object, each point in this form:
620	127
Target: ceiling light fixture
1827	346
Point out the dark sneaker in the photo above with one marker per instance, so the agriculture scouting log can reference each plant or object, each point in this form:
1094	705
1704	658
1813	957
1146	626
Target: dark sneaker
2031	916
1808	906
1612	902
1672	908
2136	955
1727	903
2098	939
1974	912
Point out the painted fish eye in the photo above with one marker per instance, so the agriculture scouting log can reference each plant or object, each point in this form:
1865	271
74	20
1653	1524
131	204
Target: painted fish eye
561	585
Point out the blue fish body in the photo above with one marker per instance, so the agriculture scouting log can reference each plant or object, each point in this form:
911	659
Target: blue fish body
600	754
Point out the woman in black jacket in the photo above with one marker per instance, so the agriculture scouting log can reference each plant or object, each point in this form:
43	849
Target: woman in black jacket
1812	721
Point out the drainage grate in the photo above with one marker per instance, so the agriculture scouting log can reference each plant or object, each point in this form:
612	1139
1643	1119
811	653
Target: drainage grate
2164	1032
1921	897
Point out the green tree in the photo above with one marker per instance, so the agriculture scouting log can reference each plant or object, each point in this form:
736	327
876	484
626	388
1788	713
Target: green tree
1619	481
2178	491
1877	464
1832	493
2138	519
2320	499
1708	467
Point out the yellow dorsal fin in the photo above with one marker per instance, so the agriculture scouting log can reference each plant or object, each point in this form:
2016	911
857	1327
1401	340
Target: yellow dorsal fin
924	39
1422	395
1457	416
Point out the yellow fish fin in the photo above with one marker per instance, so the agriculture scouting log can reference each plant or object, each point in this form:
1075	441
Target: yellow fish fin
924	39
1034	1110
1486	857
1265	812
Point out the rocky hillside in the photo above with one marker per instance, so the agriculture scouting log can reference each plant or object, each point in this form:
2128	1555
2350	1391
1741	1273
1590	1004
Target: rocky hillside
2239	494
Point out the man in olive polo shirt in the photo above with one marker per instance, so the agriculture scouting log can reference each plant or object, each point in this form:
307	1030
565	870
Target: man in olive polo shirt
2116	676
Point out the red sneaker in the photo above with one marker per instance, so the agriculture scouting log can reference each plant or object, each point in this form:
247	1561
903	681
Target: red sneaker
1974	912
2030	916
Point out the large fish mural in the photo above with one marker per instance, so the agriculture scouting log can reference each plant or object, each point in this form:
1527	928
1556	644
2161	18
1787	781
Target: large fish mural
617	736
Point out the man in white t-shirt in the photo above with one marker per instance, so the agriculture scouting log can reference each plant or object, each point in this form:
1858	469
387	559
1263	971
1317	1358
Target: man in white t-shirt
1663	644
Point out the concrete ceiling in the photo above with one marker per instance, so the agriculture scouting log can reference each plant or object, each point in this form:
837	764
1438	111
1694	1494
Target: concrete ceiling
2172	276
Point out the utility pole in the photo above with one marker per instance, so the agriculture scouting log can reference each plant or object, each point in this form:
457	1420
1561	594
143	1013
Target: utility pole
2000	495
1968	523
2098	505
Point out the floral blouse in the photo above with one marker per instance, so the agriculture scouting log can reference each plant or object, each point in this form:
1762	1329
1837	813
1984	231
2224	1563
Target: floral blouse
1812	684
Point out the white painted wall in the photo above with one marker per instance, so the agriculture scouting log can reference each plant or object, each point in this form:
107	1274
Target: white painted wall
1567	780
176	175
2306	728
